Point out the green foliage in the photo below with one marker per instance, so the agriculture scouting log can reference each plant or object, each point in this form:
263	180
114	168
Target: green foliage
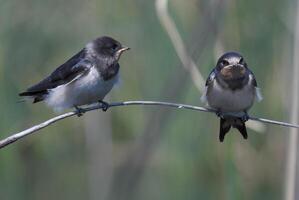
187	162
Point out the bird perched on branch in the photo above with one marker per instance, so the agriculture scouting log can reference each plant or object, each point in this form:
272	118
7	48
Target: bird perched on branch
84	79
231	89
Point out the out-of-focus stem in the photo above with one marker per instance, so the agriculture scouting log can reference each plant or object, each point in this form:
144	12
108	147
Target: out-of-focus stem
177	41
293	137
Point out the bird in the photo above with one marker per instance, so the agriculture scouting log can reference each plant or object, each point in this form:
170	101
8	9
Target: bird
85	78
231	89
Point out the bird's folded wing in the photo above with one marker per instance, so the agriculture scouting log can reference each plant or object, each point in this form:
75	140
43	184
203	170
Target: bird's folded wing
64	74
209	81
258	94
210	78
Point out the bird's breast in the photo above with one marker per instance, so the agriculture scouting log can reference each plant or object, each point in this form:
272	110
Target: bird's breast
230	100
87	89
92	87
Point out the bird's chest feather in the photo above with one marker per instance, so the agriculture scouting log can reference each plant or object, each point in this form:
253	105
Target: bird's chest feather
86	89
230	100
92	86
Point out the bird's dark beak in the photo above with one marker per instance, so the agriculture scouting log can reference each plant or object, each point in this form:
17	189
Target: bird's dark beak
233	71
239	69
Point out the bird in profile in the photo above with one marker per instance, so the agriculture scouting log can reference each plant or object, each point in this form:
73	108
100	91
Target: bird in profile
231	89
85	78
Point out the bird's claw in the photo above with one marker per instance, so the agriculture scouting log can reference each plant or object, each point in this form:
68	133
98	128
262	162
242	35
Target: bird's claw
79	111
219	114
245	117
104	105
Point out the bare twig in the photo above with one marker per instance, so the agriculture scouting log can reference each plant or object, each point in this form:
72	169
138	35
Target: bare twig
290	186
13	138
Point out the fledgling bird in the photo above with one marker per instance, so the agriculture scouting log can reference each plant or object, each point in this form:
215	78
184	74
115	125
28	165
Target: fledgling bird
85	78
231	89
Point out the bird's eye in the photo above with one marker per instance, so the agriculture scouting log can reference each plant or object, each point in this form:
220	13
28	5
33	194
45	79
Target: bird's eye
224	62
241	61
114	46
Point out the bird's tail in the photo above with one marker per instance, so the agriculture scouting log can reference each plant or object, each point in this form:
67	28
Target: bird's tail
224	128
226	124
240	125
37	96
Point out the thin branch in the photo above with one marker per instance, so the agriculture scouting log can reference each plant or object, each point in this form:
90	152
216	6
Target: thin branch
13	138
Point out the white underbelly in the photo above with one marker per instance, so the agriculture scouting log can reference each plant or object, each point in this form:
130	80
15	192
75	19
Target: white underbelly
85	90
230	101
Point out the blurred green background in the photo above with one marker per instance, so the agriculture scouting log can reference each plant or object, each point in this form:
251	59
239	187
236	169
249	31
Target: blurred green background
144	152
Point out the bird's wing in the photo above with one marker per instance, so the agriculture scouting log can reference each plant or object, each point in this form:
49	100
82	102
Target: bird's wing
258	94
209	80
252	77
67	72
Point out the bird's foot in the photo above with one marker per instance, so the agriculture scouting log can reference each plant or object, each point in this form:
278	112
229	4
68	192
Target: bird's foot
245	117
104	105
80	111
219	114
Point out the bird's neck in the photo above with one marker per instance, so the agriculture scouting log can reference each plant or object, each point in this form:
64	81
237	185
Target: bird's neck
109	71
233	84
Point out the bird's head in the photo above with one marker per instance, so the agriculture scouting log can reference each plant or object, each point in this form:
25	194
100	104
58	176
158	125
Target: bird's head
231	66
232	70
108	47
